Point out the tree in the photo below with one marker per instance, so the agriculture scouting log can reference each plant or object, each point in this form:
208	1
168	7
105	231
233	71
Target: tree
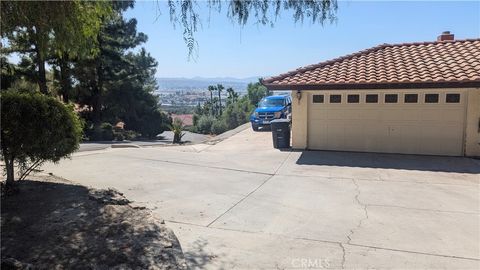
8	73
177	128
232	96
110	68
220	89
35	129
229	97
185	13
118	84
255	92
237	113
62	66
133	98
44	27
211	89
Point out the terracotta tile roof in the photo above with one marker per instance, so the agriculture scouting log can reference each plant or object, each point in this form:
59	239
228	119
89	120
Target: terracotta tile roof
408	65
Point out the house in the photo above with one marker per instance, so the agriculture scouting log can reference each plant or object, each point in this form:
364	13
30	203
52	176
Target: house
412	98
187	119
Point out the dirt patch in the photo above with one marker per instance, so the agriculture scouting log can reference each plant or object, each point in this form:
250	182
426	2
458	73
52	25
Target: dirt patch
53	224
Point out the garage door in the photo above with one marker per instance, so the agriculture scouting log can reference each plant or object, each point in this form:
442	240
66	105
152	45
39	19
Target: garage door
392	122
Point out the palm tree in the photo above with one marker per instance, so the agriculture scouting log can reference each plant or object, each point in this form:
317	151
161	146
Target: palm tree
230	95
211	88
235	97
220	89
215	106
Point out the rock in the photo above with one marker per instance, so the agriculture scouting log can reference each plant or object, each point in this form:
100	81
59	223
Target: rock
167	244
108	196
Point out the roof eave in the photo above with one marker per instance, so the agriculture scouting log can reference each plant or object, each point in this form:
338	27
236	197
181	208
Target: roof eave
355	86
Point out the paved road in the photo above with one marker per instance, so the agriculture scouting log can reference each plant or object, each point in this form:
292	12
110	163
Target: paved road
240	204
167	138
187	137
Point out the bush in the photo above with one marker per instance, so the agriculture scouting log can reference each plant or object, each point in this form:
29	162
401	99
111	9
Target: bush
106	132
35	129
219	127
103	132
255	92
177	129
237	114
130	134
119	136
192	129
195	119
204	124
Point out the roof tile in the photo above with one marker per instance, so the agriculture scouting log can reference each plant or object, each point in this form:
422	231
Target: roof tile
426	62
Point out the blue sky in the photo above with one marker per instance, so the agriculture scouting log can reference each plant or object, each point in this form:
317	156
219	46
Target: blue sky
228	50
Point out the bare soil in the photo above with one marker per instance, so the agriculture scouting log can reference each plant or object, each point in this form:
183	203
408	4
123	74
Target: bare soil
51	223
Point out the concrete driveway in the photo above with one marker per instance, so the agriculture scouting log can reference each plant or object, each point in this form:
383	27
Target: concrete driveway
240	204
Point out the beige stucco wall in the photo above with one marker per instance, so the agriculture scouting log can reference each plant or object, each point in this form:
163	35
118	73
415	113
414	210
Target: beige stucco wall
472	129
299	120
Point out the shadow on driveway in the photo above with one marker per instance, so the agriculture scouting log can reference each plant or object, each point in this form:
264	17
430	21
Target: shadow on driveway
59	226
390	161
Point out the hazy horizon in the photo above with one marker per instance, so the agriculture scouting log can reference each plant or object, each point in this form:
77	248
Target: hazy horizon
227	50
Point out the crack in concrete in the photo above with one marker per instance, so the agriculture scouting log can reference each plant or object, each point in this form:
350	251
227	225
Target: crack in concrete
423	209
364	206
200	165
253	191
342	178
241	200
344	254
340	244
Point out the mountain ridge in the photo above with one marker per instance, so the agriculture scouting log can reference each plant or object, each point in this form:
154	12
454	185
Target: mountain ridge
202	83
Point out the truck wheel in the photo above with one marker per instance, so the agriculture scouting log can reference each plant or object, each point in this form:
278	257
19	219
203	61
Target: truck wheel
254	127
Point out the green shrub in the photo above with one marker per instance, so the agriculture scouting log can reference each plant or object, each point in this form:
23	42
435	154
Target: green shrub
219	127
130	134
195	119
255	92
36	128
106	131
204	124
177	129
119	136
103	132
190	129
88	131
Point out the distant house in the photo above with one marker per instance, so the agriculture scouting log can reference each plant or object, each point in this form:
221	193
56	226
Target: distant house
412	98
187	119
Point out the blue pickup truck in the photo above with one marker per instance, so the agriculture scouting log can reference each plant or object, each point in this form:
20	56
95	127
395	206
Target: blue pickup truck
271	108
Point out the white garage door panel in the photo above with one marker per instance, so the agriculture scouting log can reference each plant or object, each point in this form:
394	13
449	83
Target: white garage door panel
453	115
336	136
410	114
441	140
369	114
411	139
372	136
392	115
398	128
319	133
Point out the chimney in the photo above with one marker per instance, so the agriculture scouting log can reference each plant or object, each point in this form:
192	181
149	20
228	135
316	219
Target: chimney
446	35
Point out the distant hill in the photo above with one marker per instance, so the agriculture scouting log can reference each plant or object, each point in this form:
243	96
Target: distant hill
201	83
